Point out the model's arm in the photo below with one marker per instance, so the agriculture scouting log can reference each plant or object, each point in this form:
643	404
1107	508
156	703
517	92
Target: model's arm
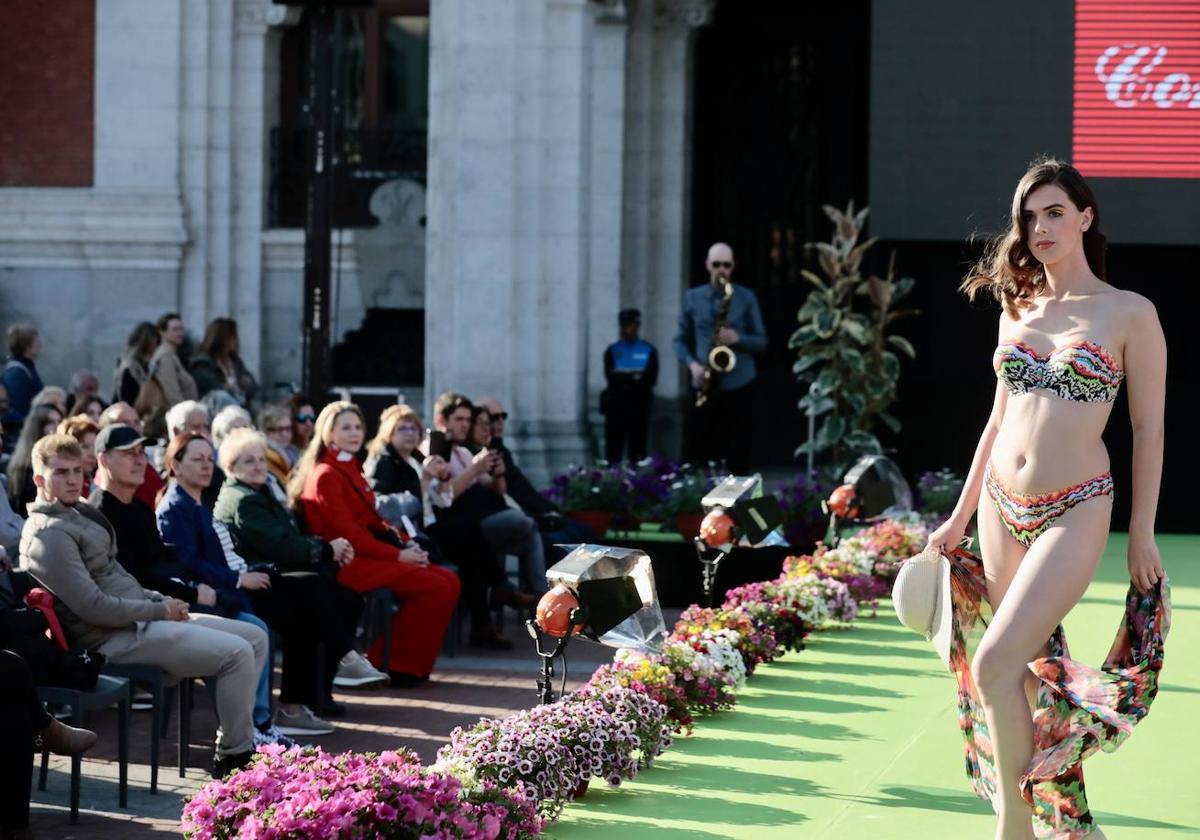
1146	379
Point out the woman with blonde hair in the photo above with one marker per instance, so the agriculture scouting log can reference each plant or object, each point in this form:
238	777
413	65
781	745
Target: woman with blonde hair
331	493
275	421
392	467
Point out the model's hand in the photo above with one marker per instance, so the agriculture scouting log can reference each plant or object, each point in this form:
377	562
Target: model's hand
206	596
1145	563
728	336
697	371
948	536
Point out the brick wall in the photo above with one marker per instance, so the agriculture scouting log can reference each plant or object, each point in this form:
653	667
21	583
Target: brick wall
47	72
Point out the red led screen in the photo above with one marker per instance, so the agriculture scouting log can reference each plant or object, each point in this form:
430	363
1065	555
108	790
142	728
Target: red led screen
1137	88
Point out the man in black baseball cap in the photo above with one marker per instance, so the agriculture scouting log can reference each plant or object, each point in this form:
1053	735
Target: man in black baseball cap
120	436
631	371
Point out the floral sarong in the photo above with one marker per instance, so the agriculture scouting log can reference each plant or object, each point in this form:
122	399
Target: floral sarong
1080	709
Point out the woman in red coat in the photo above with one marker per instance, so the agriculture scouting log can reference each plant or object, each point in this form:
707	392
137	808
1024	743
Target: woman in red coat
331	492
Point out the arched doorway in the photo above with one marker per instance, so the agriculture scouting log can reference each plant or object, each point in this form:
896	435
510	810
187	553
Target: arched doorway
781	94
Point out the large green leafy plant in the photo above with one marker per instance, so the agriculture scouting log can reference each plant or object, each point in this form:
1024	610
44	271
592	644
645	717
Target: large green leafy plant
846	352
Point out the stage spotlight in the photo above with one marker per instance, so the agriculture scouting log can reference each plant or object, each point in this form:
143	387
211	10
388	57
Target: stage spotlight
874	488
736	513
602	593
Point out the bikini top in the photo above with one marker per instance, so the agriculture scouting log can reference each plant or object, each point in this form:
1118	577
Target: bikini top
1080	371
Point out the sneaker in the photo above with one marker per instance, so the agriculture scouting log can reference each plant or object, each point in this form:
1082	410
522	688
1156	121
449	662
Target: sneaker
303	722
489	637
354	671
142	700
269	733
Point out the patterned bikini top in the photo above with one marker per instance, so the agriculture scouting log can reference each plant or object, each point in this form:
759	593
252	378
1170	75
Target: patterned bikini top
1079	371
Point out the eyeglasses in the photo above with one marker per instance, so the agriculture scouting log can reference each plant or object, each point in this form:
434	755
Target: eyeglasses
277	429
408	427
721	264
500	415
306	418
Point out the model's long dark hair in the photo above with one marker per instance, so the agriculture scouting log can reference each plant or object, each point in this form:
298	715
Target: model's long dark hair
1008	268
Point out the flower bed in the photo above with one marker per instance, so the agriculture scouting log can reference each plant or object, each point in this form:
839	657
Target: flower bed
502	778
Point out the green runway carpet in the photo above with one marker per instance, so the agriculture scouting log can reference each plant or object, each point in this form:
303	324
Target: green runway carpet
856	737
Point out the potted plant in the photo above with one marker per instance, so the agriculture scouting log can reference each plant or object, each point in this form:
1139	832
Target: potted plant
683	500
591	495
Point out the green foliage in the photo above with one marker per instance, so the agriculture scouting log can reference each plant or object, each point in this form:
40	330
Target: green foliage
845	350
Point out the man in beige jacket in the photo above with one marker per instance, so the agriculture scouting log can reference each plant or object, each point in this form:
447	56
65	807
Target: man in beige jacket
166	366
70	548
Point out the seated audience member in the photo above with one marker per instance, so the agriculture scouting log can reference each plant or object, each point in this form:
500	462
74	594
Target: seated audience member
556	529
266	536
83	386
335	500
193	416
142	553
41	420
304	418
92	408
226	420
10	529
84	431
478	482
69	548
122	413
275	421
25	729
217	365
302	608
20	378
393	469
133	368
4	437
51	395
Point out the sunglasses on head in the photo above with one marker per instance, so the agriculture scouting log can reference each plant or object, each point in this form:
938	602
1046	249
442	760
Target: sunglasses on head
500	415
721	264
306	418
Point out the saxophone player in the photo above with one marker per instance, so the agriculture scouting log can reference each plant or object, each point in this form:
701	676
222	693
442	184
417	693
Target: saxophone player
718	404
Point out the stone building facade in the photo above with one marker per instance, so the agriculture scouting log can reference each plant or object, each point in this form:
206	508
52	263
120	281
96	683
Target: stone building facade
557	193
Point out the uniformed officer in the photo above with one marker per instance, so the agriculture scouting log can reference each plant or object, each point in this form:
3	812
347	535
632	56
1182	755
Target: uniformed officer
631	370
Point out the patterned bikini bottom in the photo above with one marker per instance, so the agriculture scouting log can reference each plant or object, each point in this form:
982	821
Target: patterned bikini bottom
1028	516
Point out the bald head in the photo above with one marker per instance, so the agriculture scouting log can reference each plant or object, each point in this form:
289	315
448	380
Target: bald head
719	262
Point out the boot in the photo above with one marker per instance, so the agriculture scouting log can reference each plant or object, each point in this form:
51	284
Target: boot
515	598
61	739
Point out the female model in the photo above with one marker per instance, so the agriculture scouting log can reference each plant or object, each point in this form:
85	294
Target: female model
1067	342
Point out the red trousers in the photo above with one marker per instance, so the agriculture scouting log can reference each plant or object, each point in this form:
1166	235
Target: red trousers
427	597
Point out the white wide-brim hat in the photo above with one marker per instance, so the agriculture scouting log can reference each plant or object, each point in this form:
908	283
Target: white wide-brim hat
922	599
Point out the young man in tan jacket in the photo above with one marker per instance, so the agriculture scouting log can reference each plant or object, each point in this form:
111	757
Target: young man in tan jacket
70	548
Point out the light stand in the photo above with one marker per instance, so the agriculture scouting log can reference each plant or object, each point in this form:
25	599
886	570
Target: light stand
545	681
710	560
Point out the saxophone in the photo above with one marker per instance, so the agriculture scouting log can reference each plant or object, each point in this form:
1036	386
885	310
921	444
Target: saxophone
721	358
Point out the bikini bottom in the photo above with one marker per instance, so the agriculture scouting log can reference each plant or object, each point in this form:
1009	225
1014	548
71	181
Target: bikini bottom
1028	516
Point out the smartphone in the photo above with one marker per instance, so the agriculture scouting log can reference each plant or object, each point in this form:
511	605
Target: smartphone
439	444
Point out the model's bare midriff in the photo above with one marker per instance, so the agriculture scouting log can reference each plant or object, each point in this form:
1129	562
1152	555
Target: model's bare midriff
1047	443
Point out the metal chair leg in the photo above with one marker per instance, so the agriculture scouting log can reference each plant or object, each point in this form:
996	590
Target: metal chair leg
123	752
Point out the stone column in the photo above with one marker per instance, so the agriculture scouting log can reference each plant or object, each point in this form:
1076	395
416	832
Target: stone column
657	200
513	154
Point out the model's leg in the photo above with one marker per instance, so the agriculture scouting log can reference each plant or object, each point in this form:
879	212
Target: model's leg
1002	554
1049	581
